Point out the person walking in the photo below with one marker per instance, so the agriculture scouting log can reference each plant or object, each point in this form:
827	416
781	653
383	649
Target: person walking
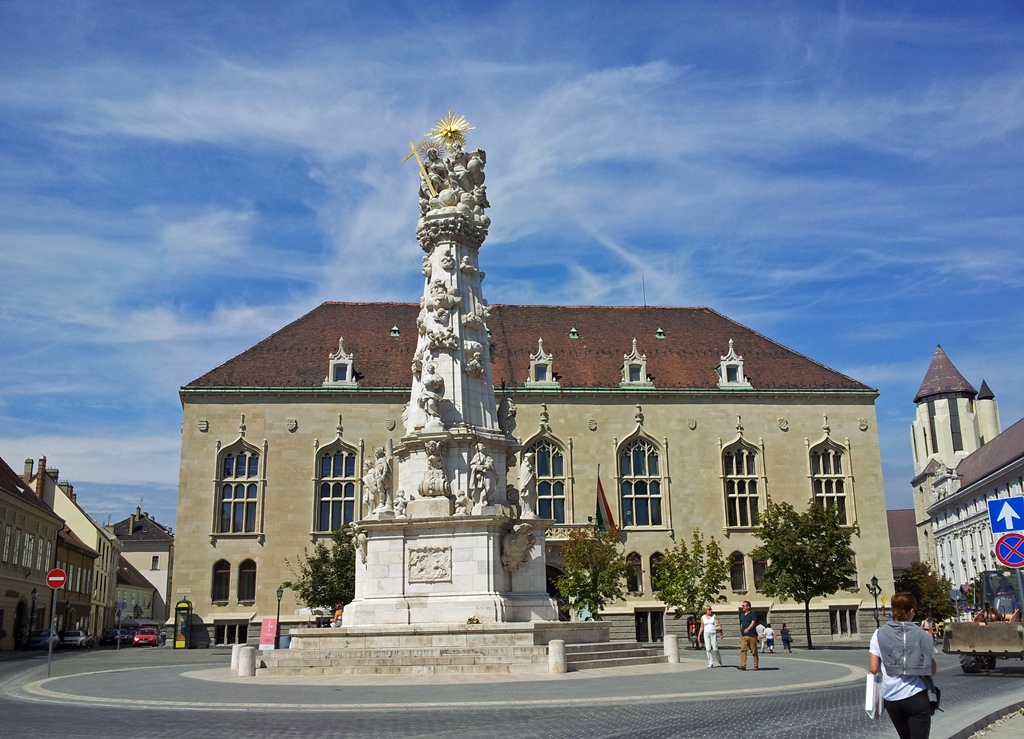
710	630
769	638
787	639
903	652
760	637
748	635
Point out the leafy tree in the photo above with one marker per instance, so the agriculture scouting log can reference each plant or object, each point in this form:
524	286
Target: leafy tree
595	569
327	576
688	578
930	591
808	554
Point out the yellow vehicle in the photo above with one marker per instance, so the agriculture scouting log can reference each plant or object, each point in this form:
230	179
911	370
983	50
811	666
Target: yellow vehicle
997	631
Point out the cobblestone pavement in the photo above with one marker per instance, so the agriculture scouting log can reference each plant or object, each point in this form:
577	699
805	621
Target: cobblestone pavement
163	693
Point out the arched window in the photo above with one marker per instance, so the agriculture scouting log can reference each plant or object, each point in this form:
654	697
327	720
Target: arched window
336	489
635	574
742	501
240	474
760	566
641	484
738	573
247	581
221	586
550	468
828	481
655	563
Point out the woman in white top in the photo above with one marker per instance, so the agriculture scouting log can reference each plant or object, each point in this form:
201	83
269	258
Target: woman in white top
710	629
904	654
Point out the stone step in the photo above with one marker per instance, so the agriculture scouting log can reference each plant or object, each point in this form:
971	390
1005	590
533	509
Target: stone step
517	668
371	653
596	664
610	646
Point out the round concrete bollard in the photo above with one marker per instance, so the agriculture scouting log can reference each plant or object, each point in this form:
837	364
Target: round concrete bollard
247	662
672	648
556	657
235	649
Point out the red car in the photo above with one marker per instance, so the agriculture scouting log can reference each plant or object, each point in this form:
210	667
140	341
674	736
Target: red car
146	638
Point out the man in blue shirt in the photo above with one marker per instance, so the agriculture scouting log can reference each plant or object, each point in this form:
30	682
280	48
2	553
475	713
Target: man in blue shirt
748	635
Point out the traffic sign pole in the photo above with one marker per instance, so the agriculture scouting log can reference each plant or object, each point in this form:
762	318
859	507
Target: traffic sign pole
56	579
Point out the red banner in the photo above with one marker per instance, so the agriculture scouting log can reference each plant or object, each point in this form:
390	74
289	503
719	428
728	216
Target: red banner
268	634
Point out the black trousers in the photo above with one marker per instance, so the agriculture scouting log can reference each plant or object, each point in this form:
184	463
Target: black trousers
911	716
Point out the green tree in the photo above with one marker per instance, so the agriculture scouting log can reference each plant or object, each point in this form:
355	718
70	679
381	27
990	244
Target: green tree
327	575
930	591
595	570
688	578
809	554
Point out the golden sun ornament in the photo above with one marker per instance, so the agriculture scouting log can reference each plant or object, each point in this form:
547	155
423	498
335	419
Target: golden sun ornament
450	131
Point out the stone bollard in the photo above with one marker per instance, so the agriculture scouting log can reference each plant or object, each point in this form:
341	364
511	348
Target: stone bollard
556	657
672	648
235	649
247	661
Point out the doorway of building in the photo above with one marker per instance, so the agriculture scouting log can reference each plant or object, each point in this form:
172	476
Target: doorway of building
650	626
553	573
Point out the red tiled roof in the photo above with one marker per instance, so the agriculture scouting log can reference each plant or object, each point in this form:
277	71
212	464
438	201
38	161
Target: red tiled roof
12	483
296	356
128	574
943	377
1005	448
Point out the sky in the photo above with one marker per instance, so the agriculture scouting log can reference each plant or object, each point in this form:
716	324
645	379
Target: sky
179	180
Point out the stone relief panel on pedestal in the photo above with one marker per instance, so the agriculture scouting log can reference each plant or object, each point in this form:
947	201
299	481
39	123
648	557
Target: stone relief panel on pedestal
430	564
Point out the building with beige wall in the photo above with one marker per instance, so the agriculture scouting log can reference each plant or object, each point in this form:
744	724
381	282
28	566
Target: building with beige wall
149	548
28	543
694	421
61	498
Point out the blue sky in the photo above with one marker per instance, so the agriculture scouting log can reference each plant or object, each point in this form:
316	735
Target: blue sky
182	179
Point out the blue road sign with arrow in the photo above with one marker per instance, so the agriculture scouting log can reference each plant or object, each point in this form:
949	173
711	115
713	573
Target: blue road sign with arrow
1006	514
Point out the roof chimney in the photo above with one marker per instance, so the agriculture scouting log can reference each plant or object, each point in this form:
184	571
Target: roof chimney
27	474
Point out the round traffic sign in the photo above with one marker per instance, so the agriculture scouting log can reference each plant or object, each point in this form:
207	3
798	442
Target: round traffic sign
56	578
1010	549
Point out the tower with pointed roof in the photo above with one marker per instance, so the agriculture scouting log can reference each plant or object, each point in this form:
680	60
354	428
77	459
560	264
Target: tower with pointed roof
953	420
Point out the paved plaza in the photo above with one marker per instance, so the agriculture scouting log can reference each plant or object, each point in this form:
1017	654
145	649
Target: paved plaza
162	692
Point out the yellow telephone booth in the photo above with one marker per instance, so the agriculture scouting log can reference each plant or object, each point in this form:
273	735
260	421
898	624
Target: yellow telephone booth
183	624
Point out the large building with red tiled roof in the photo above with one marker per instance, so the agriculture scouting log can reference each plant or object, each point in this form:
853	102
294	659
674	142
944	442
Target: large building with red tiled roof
693	420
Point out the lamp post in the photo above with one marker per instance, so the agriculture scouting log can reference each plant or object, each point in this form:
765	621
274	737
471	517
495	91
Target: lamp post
875	590
32	612
277	633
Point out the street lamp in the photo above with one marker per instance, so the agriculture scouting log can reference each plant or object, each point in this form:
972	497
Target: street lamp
32	612
875	590
277	633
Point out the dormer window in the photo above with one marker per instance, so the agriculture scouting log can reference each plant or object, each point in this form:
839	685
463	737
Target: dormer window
341	372
730	370
541	368
634	368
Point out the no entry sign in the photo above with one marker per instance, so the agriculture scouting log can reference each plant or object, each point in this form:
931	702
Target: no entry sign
56	578
1010	550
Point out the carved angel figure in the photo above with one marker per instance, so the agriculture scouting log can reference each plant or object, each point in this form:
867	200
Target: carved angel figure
382	470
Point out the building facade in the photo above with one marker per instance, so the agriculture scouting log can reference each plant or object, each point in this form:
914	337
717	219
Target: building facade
28	545
60	497
962	459
75	608
688	419
149	547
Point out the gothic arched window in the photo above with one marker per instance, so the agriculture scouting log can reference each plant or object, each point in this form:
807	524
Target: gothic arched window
640	485
336	488
742	498
828	481
550	467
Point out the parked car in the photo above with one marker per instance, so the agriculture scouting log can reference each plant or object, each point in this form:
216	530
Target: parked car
113	636
77	639
42	639
146	637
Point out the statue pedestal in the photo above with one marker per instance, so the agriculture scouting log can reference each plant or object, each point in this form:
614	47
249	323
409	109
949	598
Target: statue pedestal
449	570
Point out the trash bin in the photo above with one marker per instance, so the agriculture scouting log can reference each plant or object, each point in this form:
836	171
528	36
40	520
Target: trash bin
285	642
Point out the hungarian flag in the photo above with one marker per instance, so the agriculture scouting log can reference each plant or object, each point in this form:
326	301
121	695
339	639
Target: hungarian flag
605	522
